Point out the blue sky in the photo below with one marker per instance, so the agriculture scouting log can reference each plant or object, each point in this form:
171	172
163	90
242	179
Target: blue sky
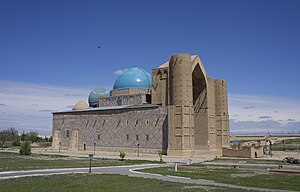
254	45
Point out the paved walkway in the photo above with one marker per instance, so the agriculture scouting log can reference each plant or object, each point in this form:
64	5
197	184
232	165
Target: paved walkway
131	170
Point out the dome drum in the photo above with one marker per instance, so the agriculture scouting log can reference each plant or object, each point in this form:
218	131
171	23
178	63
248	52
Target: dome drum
96	94
129	91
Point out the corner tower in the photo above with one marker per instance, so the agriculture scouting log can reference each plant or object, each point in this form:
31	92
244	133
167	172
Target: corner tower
197	105
181	110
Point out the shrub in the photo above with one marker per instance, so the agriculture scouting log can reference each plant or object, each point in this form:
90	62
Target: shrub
122	155
16	143
25	148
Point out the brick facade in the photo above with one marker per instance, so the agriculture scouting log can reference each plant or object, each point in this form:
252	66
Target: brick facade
113	129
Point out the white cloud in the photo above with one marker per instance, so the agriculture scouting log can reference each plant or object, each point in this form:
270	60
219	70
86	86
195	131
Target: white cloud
29	106
263	114
266	126
258	106
265	117
248	107
120	71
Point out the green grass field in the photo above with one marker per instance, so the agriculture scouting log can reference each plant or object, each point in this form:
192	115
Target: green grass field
249	161
14	162
292	141
95	182
289	145
82	182
236	177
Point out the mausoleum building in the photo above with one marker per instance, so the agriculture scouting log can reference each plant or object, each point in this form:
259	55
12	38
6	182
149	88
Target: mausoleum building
178	109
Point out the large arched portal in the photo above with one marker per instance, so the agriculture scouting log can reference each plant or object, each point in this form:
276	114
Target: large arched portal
200	108
199	84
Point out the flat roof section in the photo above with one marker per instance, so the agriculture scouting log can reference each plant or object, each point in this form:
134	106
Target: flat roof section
110	108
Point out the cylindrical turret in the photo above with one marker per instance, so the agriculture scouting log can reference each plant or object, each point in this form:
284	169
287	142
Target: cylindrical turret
181	110
181	85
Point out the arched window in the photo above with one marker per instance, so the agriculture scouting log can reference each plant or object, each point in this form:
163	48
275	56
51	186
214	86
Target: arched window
67	133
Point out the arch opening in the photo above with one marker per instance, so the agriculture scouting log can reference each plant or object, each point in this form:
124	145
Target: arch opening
199	87
200	108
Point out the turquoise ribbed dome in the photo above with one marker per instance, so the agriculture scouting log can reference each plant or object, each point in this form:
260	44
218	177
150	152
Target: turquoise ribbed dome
134	78
95	94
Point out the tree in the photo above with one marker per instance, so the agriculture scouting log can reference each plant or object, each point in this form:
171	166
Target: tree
122	155
10	135
33	136
25	148
2	138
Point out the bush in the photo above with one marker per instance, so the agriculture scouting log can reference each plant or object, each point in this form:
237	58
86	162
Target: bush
25	148
122	155
16	143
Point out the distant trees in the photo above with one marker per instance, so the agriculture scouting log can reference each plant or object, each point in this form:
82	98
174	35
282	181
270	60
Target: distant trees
11	137
49	139
31	136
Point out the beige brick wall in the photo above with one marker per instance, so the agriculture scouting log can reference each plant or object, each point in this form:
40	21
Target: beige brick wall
245	151
160	90
113	130
138	99
129	91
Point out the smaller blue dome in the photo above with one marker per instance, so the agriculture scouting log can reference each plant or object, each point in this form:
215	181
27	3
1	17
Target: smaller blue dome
95	94
134	78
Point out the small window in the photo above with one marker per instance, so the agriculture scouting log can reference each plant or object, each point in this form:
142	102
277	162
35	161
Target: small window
147	122
148	98
147	137
127	137
157	122
67	133
98	136
137	137
126	122
84	146
136	122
